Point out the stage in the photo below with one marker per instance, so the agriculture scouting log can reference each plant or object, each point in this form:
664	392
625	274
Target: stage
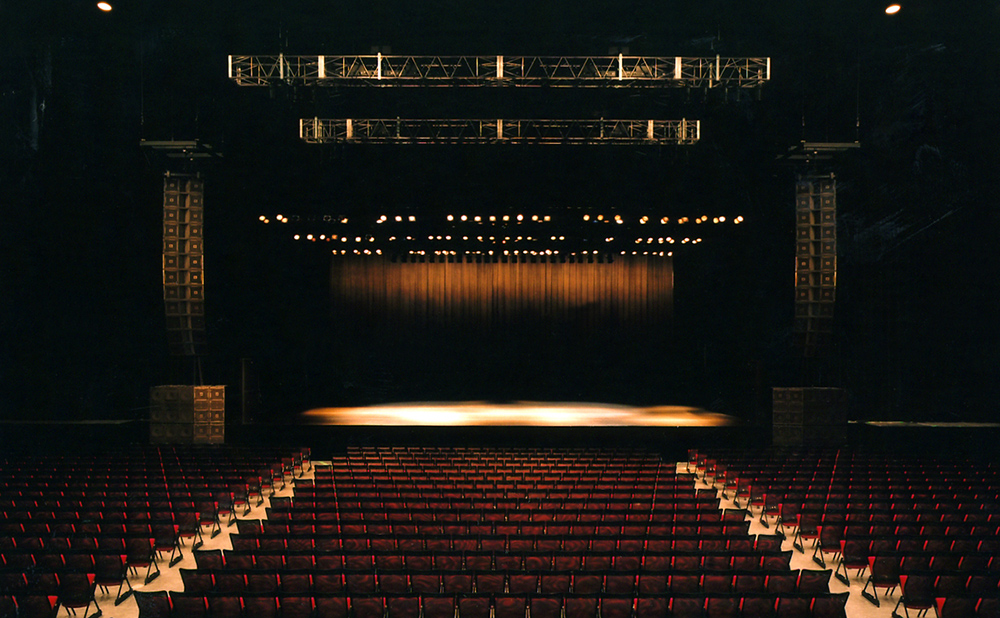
517	414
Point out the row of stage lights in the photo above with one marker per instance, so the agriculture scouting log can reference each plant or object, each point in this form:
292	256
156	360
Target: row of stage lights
492	239
618	219
506	253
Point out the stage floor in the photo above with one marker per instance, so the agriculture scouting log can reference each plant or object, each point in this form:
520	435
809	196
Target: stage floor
517	414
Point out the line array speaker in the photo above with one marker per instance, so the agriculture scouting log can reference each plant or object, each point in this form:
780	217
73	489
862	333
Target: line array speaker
184	264
815	262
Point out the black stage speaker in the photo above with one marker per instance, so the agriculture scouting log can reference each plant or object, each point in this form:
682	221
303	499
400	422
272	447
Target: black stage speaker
815	262
184	264
809	417
187	414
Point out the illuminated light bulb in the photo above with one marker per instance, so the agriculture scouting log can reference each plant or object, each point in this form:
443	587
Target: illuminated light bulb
600	217
309	237
344	239
715	220
357	239
477	219
451	217
412	218
892	9
322	236
447	237
534	217
644	219
520	217
465	238
659	240
493	218
670	254
722	219
585	217
106	7
464	217
664	220
562	238
296	237
430	238
623	253
506	217
262	218
547	218
344	220
398	218
378	252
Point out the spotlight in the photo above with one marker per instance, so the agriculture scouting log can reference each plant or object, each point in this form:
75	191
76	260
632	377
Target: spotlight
106	7
892	9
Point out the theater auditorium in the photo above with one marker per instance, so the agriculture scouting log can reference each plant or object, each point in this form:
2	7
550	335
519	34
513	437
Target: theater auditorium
524	310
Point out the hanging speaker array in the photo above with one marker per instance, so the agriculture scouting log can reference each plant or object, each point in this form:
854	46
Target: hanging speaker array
184	264
815	262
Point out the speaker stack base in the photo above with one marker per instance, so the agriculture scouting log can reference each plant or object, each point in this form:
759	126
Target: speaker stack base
180	414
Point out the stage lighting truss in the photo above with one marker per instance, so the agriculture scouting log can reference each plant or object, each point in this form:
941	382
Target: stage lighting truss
492	131
513	235
572	71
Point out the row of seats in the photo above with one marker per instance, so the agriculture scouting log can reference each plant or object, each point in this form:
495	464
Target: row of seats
162	604
636	563
777	581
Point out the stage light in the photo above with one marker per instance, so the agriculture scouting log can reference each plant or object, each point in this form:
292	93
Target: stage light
520	217
585	217
412	218
506	217
451	217
892	9
309	237
296	237
104	6
722	219
464	217
644	220
493	218
398	219
664	220
547	218
261	218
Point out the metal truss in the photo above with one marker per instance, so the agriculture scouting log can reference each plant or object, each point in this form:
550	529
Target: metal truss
500	131
577	71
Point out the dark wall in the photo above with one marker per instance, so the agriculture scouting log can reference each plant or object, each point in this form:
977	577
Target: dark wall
81	324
